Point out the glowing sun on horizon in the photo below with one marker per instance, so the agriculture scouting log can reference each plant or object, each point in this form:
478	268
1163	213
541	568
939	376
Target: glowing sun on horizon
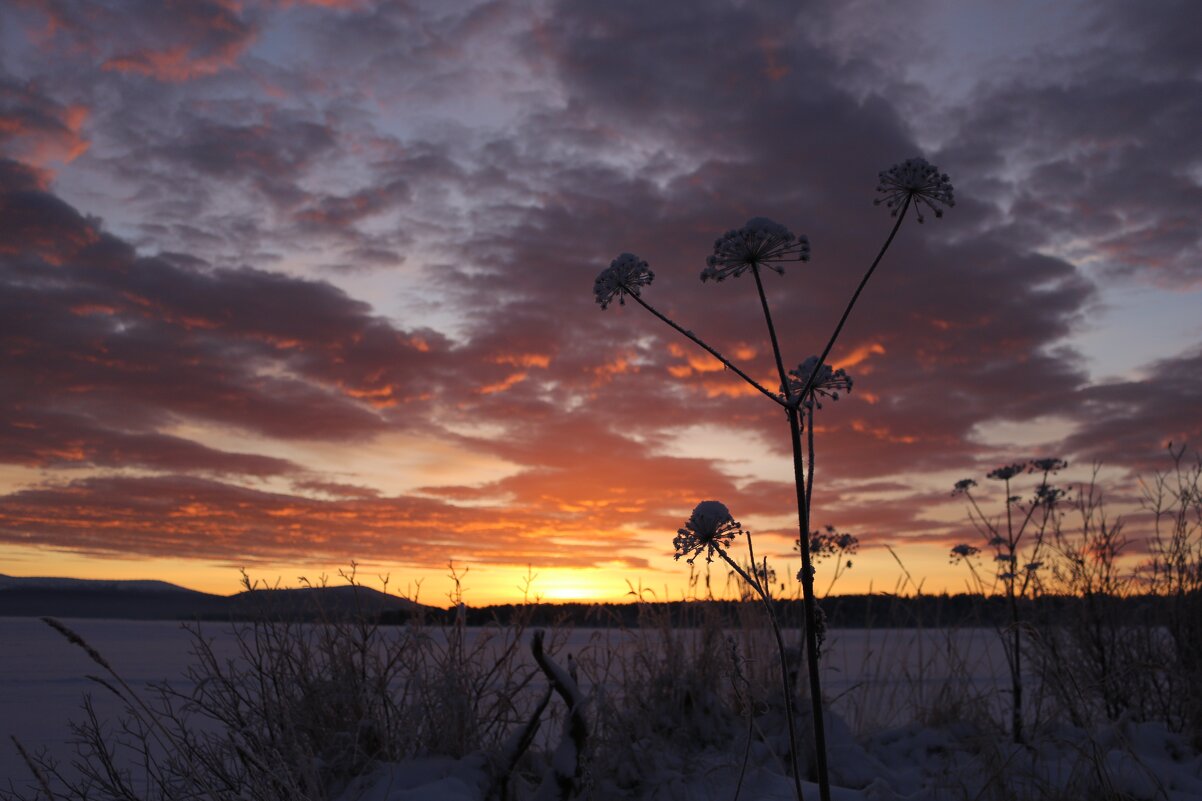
572	585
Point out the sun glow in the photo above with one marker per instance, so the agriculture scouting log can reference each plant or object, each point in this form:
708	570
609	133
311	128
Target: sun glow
566	584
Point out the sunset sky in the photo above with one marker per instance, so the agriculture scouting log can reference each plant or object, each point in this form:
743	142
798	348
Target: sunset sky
287	284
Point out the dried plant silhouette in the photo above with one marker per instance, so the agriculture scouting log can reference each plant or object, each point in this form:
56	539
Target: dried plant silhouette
1018	541
763	244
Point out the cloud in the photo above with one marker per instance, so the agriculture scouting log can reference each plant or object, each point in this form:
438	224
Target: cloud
166	40
93	329
37	129
271	156
1131	422
48	440
459	178
179	517
1097	161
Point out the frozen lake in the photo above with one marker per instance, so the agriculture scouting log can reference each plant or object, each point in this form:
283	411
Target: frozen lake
874	678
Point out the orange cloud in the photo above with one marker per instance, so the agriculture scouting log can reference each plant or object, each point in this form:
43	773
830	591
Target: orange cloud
175	64
40	131
695	361
523	359
619	365
210	37
501	386
379	397
882	433
861	354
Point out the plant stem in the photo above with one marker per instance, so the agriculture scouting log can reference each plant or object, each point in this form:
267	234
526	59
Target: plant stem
810	472
807	583
784	673
809	605
780	365
1016	665
694	338
804	494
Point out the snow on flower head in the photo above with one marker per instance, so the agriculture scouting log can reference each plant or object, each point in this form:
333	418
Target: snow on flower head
759	243
624	276
828	383
915	179
710	528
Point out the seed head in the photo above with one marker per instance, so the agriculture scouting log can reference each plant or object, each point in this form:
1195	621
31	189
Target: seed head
828	383
624	276
963	551
963	486
1047	465
1007	471
759	243
831	542
915	179
710	528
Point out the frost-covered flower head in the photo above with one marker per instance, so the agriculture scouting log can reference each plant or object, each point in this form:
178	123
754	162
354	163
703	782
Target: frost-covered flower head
828	383
624	276
710	528
915	179
759	243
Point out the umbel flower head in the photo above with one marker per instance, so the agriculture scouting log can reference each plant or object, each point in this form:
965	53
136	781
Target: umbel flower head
1006	471
962	551
828	383
915	179
963	486
624	276
759	243
710	528
832	542
1052	465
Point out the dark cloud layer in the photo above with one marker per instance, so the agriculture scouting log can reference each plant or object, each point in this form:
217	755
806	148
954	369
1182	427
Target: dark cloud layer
601	128
91	327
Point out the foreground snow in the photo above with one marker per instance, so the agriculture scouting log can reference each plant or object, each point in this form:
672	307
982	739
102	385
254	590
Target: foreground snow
1125	760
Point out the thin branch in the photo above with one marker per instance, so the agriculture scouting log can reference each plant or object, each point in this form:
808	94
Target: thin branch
693	337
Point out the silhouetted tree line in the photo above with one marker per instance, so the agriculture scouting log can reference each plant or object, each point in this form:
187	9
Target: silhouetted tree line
843	612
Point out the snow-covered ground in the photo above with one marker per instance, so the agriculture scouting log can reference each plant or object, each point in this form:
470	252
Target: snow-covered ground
912	715
928	762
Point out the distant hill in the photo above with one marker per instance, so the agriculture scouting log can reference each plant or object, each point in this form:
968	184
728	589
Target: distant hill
160	600
50	583
314	602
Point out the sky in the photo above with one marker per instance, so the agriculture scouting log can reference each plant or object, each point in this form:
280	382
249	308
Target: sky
294	284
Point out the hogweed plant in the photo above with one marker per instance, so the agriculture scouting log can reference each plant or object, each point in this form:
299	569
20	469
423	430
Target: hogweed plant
762	245
711	530
1017	541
